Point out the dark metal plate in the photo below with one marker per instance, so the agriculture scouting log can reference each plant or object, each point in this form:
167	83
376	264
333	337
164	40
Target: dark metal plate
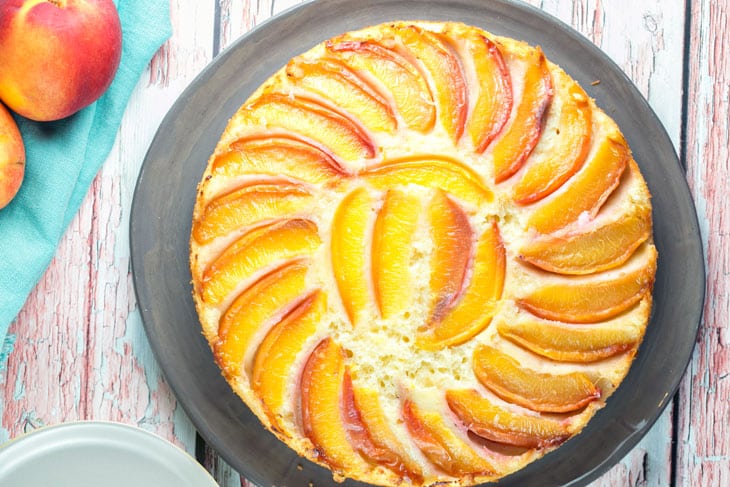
165	194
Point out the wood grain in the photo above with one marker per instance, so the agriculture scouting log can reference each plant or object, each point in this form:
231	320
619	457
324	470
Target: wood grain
703	437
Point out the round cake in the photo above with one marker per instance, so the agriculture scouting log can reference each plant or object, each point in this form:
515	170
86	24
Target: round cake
422	255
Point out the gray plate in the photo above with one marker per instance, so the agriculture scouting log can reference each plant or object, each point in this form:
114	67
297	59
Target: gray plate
165	193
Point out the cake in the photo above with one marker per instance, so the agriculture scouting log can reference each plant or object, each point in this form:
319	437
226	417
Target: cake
422	254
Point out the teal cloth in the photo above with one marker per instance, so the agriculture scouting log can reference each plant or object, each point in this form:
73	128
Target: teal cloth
62	159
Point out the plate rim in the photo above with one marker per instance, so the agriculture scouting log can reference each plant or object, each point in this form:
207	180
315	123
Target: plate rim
595	52
55	436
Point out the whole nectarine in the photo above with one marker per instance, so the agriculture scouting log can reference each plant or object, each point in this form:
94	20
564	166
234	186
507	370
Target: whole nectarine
12	157
57	56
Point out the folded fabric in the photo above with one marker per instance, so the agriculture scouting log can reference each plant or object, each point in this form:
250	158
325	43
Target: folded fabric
62	159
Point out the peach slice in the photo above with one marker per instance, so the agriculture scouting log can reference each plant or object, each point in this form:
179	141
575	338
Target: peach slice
256	250
453	242
596	297
522	133
473	313
590	248
441	445
565	342
252	309
248	205
546	174
370	434
331	79
493	102
272	371
435	172
322	409
447	76
399	78
540	392
587	190
278	156
495	423
391	247
349	252
313	120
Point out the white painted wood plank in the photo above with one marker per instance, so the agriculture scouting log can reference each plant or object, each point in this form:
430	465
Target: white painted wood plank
703	436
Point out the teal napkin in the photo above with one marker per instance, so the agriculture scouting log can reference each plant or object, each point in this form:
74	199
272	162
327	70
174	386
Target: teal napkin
62	159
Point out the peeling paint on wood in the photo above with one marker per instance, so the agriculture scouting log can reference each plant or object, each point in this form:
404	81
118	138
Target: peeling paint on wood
703	449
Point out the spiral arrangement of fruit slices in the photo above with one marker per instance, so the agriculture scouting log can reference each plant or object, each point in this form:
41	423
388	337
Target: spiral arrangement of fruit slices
421	254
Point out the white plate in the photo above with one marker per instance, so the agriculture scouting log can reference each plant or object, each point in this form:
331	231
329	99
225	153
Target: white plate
86	454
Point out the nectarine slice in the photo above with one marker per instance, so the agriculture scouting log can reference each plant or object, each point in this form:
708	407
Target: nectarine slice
248	205
470	315
447	77
278	156
398	77
273	366
566	342
255	251
453	244
538	391
331	79
322	408
498	424
253	308
523	131
493	101
596	297
590	248
391	247
370	434
441	445
349	252
435	172
570	148
313	120
586	191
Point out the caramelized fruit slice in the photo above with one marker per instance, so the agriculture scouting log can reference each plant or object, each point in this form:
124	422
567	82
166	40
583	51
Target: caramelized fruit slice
474	311
577	343
540	392
453	242
399	78
272	371
432	172
493	102
349	255
595	247
312	120
249	205
370	434
544	175
596	297
441	445
254	251
587	190
495	423
322	410
391	248
253	308
278	156
447	77
522	133
331	79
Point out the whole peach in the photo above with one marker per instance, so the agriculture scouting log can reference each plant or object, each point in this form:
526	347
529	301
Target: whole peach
57	56
12	157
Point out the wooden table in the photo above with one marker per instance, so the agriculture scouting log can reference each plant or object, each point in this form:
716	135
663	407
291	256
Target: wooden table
81	350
